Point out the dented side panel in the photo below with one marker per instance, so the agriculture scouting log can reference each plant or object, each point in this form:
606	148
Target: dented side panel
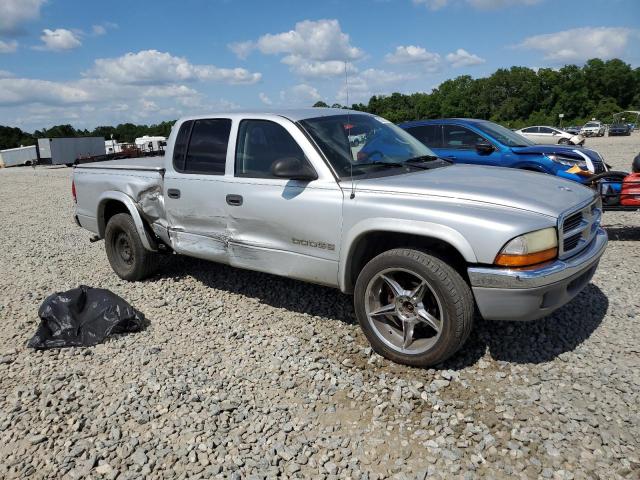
138	190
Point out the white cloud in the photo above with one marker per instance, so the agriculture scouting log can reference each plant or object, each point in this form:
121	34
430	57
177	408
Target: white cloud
493	4
300	95
242	49
154	67
59	40
99	30
317	69
314	40
5	74
371	82
414	54
478	4
15	12
580	44
15	91
462	58
312	49
432	4
8	47
265	99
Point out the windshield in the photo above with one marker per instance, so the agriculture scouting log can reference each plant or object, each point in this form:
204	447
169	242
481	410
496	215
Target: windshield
589	125
504	135
357	144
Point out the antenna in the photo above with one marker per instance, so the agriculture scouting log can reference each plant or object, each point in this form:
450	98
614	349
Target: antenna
346	88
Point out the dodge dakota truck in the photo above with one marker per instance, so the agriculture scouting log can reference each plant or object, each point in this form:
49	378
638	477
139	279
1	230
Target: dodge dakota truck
420	243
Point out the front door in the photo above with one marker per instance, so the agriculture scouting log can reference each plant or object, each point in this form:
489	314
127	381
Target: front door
459	145
281	226
195	190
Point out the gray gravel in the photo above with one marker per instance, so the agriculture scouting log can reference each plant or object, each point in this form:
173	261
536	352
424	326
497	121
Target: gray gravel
245	375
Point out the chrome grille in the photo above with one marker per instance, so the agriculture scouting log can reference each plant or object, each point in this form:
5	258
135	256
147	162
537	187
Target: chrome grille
578	227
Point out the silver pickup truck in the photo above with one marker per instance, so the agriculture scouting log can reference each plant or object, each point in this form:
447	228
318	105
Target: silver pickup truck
349	200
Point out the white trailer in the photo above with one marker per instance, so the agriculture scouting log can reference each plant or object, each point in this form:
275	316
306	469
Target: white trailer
147	143
112	146
68	150
18	156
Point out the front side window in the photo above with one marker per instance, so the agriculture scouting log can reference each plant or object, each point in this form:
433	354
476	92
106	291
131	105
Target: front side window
430	135
362	145
260	143
207	147
503	135
460	137
547	130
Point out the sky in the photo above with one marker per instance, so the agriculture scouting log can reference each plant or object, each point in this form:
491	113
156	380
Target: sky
93	63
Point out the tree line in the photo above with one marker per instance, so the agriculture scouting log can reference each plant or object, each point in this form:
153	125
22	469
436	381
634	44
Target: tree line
514	97
521	96
11	137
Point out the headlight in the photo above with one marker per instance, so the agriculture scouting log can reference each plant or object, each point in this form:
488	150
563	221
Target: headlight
529	249
569	162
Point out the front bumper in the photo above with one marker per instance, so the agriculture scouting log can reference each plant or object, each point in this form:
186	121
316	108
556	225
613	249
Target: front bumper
528	294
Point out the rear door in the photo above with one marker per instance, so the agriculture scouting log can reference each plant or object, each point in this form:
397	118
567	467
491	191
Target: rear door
195	189
531	133
276	225
430	135
459	145
547	136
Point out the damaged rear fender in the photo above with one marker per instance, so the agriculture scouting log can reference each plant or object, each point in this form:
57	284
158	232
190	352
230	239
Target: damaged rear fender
148	242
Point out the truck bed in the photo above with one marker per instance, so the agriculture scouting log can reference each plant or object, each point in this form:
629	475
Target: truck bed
139	163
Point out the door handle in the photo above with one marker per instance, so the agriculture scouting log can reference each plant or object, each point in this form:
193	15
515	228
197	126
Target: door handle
234	200
173	193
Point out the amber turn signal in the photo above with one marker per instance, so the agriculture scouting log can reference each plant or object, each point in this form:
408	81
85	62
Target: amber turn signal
507	260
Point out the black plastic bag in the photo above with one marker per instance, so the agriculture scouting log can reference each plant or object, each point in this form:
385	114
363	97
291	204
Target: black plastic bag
83	317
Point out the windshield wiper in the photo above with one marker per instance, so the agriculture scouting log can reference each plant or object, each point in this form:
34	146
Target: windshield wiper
379	163
423	159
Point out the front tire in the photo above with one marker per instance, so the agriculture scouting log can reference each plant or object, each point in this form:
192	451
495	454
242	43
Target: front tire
564	141
127	256
413	308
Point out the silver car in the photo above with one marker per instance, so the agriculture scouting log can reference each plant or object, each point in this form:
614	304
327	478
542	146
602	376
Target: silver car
419	242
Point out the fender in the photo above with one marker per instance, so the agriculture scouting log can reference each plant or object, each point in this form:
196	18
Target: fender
147	242
395	225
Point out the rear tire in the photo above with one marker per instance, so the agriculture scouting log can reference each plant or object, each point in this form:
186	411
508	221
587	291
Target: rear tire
127	256
413	308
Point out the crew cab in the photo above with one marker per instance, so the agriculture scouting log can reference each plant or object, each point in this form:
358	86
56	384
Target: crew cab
419	242
480	142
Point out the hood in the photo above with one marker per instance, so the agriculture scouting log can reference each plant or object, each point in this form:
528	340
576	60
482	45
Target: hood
506	187
566	151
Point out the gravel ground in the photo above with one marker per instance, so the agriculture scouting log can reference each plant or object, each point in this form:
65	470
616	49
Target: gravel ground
246	375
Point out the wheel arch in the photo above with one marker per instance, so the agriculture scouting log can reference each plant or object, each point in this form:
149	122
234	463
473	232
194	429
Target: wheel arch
374	237
111	203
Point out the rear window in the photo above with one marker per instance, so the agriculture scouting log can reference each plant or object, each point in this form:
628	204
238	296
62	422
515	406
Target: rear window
430	135
180	146
206	151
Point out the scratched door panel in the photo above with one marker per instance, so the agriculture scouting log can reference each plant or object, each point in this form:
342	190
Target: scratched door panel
286	227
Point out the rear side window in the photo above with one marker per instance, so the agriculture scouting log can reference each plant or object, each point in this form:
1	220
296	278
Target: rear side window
460	137
207	147
430	135
180	146
531	130
260	143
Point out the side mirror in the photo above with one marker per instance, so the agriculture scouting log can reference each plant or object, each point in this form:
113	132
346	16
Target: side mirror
484	147
293	169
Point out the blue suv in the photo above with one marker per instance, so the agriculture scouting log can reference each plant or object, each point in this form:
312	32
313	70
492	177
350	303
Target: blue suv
481	142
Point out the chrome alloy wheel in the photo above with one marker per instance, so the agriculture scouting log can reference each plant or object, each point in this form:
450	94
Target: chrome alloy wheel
404	311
